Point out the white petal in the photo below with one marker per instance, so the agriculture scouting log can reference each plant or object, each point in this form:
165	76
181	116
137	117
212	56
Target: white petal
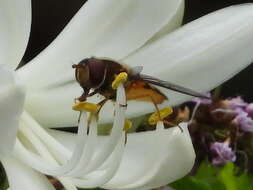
200	55
15	22
96	30
166	156
151	159
12	96
22	177
174	23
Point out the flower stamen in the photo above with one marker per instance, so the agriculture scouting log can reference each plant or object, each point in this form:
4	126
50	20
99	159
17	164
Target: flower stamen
119	79
127	125
160	115
86	106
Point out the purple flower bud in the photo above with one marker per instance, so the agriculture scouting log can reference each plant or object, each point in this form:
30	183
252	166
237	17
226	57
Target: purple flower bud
249	109
244	122
235	103
222	153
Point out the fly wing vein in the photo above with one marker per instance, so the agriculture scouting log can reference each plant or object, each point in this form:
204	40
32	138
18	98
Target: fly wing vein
171	86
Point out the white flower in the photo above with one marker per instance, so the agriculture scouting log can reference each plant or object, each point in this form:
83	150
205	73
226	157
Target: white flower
200	55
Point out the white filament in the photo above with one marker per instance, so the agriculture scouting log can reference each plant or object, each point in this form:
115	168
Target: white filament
88	149
51	169
41	149
116	133
100	177
52	143
90	167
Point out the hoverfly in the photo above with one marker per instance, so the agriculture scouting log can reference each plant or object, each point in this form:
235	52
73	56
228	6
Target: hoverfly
97	74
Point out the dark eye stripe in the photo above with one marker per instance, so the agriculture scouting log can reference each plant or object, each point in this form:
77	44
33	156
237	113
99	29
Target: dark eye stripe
77	75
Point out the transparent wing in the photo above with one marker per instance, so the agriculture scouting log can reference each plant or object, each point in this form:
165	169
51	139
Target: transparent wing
136	70
171	86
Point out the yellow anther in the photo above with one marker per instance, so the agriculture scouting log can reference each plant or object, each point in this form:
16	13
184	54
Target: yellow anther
163	113
85	106
128	124
120	78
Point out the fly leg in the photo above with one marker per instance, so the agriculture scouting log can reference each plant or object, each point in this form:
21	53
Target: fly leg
101	104
79	117
151	99
159	115
161	118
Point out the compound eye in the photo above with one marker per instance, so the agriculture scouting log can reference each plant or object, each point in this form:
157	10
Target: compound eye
84	62
83	75
97	69
90	72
